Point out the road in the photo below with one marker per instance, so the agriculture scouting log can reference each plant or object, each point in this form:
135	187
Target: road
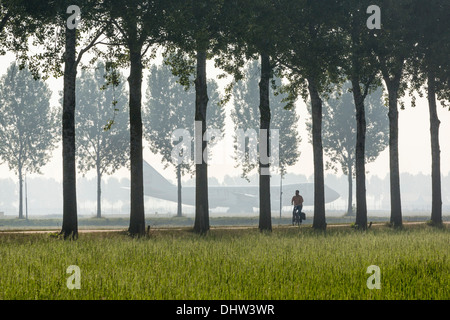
341	225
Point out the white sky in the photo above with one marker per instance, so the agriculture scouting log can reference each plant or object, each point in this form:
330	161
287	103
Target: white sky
414	142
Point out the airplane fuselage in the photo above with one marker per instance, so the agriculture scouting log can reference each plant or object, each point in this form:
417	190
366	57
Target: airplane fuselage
241	196
237	198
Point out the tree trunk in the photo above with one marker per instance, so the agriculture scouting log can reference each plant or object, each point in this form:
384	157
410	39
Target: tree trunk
436	207
319	221
394	170
393	85
265	218
99	192
201	224
360	170
137	214
20	192
350	189
70	219
179	211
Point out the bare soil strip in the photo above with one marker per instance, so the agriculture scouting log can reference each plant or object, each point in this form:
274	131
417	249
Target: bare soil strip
341	225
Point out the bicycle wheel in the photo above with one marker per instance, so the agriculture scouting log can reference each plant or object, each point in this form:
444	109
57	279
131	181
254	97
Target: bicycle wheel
297	218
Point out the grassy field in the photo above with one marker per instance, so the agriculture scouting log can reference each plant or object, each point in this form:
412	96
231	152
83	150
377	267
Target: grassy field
289	263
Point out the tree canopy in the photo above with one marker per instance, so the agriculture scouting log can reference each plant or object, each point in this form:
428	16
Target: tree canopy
28	125
98	148
314	46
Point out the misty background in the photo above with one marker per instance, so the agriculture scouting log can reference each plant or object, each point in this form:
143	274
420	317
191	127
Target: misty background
45	195
44	192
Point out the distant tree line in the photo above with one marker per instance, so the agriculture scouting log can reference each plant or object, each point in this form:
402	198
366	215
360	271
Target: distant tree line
45	194
315	45
28	125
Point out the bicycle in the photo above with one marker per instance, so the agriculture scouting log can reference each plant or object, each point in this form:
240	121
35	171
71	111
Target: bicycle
296	218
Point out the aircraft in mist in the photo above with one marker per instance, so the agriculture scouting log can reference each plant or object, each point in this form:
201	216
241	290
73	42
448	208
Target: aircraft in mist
238	199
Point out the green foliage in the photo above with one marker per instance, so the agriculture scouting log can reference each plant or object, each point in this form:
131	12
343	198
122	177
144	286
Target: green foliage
360	64
194	26
19	20
393	43
28	125
113	78
105	151
41	24
288	264
310	48
182	66
134	27
431	49
171	106
245	115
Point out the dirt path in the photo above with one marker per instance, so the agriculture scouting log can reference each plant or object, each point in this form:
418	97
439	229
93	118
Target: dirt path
57	231
343	225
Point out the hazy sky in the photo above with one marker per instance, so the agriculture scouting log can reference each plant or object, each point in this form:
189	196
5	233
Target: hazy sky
414	142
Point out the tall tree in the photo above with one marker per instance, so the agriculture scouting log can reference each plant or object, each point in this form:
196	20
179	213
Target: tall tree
363	72
98	148
70	211
60	49
170	107
339	133
430	67
136	28
393	45
311	53
261	36
28	125
252	31
71	61
196	33
265	214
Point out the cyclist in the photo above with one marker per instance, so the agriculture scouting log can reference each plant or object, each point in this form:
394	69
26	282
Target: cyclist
297	201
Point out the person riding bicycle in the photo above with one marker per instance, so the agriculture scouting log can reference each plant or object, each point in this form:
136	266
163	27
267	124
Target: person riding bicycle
297	201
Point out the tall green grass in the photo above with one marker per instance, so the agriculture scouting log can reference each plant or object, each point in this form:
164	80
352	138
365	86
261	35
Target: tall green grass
289	263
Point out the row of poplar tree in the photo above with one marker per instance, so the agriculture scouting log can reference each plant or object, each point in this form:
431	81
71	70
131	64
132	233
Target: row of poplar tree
101	122
313	44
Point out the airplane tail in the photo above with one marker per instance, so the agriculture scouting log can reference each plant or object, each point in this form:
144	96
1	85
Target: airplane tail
154	178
